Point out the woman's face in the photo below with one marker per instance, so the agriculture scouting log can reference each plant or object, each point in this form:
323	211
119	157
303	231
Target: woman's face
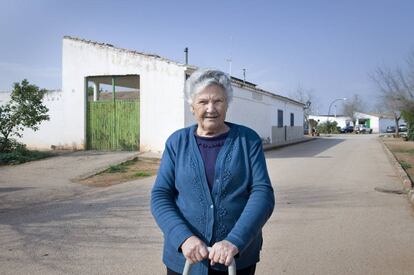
209	108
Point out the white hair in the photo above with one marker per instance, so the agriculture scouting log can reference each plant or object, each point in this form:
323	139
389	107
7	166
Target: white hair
203	78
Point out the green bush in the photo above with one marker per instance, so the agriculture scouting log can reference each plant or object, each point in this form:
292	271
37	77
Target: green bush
327	127
18	153
11	145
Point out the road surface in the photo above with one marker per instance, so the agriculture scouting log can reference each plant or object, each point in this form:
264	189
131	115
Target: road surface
328	218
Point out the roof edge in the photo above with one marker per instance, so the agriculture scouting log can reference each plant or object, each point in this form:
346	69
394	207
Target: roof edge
107	45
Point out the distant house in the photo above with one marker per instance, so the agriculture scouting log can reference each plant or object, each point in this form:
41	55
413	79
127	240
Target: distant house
114	99
377	122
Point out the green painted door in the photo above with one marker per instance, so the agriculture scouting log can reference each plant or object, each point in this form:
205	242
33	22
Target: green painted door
113	125
368	123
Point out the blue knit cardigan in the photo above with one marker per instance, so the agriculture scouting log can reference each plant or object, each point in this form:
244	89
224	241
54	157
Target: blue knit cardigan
235	210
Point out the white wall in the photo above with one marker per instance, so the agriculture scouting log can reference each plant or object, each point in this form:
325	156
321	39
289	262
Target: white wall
374	121
253	113
161	81
257	111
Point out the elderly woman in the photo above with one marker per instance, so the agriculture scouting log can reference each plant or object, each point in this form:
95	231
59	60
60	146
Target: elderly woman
212	188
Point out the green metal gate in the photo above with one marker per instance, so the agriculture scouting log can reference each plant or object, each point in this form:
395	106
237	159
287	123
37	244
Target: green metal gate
113	125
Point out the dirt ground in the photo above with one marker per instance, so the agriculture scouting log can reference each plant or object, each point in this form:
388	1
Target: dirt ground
130	170
403	151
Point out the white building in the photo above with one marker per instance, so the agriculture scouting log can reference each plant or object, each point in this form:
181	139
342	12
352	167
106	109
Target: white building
161	107
377	122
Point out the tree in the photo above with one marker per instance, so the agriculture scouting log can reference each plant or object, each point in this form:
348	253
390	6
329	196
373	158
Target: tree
308	99
408	108
352	106
396	89
24	110
327	127
390	86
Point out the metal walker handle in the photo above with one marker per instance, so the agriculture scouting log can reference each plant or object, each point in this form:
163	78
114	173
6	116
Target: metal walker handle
232	266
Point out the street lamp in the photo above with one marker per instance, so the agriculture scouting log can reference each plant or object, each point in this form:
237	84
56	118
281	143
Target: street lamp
329	111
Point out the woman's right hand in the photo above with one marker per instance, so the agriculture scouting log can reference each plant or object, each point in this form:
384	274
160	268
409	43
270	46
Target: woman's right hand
194	249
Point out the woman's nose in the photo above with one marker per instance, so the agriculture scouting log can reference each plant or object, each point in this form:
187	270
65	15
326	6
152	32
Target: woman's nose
210	107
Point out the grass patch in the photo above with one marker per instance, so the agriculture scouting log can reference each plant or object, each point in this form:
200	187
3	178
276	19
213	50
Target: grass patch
405	165
117	169
403	152
142	174
123	172
122	167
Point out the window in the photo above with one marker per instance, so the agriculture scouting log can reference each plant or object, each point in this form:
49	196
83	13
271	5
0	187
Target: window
292	119
279	118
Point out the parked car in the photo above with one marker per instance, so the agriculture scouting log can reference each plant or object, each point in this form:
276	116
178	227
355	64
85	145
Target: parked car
347	129
390	129
362	129
402	128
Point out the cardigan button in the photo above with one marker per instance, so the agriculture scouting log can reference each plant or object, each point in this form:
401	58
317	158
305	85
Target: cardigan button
211	206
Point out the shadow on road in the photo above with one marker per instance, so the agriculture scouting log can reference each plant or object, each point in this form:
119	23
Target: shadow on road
118	221
305	150
13	189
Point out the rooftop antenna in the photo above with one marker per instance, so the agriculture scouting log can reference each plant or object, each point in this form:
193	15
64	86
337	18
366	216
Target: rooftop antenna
230	60
186	55
244	76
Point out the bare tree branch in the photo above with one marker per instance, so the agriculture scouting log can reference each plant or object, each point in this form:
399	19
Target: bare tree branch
352	106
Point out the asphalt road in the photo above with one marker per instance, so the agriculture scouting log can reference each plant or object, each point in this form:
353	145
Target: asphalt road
328	218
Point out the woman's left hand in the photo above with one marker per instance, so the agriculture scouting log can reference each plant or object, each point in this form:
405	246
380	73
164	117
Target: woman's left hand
222	252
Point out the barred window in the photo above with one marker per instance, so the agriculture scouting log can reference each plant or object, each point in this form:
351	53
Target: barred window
279	118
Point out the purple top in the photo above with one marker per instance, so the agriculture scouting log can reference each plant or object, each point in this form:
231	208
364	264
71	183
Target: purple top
209	149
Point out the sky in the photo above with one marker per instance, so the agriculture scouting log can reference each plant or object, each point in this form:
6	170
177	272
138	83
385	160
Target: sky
327	47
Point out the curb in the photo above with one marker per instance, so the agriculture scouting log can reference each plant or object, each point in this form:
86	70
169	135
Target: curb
407	184
102	169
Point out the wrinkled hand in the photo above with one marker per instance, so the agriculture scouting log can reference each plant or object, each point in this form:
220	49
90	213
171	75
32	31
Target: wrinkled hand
223	253
194	249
